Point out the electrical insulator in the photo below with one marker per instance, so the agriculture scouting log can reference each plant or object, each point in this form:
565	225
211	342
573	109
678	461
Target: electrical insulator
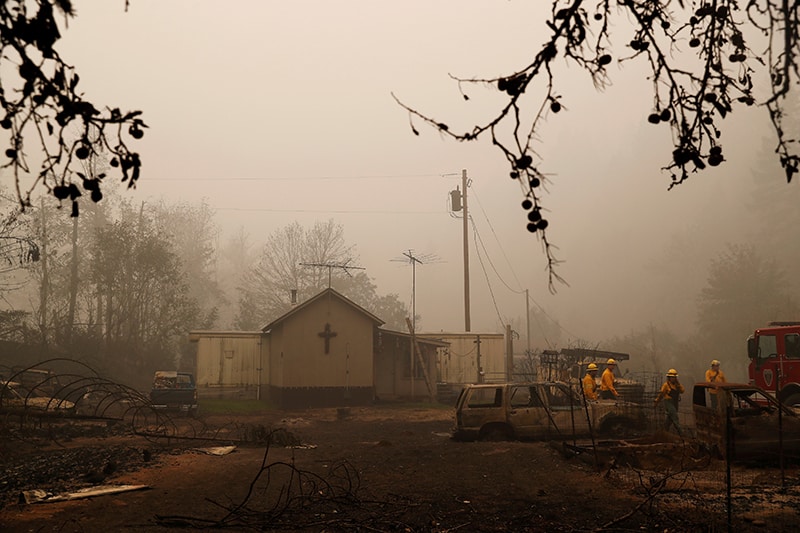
455	200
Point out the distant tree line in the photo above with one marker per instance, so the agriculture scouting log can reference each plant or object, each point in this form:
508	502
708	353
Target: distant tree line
121	286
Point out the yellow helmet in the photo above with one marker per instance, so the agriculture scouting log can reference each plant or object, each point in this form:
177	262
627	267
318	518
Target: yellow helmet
611	362
715	362
591	366
672	372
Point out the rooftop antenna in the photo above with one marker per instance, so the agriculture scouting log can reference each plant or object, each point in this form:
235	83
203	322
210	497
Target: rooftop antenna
330	266
413	260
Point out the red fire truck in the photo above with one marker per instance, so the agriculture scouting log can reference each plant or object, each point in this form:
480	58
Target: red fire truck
774	354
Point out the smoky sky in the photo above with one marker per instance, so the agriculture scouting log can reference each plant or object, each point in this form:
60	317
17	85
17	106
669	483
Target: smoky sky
275	112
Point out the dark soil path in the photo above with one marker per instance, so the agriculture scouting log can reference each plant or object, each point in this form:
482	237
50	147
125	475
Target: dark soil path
375	469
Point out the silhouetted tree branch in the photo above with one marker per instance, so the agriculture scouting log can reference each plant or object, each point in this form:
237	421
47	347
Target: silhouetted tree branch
41	102
701	65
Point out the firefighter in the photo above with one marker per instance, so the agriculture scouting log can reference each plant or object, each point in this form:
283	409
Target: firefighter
714	375
671	392
590	382
607	389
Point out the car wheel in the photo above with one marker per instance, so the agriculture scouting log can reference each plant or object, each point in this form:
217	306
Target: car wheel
792	400
495	433
617	427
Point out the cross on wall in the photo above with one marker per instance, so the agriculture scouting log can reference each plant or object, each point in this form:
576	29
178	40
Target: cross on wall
327	334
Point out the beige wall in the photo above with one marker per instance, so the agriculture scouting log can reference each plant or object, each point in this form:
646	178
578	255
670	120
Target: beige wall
275	343
228	358
459	364
304	362
393	369
388	370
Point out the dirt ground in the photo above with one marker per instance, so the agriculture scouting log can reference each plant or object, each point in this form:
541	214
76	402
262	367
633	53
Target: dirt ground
362	469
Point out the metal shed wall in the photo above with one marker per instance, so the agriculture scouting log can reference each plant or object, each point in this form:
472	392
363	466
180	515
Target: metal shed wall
229	359
459	363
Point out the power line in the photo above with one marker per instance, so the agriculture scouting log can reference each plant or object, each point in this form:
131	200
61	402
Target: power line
483	267
500	245
297	178
479	240
334	211
488	257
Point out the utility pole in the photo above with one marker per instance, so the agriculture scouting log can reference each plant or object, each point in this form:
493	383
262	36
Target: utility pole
528	320
458	202
466	248
477	342
413	260
509	353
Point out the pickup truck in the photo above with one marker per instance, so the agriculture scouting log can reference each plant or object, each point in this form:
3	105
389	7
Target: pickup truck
744	422
174	391
539	411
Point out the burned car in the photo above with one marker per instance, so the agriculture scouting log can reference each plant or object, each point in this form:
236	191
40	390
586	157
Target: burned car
13	395
744	422
539	411
173	390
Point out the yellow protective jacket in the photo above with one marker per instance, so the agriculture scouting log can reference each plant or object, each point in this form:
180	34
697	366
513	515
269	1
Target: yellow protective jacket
670	392
715	377
607	382
589	387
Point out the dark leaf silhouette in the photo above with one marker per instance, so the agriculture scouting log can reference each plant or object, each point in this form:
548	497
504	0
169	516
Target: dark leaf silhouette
50	102
699	62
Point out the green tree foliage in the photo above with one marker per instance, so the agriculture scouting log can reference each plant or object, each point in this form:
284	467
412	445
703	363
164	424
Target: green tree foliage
705	59
142	296
144	279
236	258
267	287
774	213
61	300
308	260
42	105
745	290
359	288
193	235
13	325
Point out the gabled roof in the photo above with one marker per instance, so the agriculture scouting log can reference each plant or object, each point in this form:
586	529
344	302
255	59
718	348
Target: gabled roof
327	292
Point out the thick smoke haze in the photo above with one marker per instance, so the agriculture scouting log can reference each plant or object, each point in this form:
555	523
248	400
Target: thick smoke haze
275	112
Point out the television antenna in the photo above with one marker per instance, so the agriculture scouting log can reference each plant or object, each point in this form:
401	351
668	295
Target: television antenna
346	266
413	259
